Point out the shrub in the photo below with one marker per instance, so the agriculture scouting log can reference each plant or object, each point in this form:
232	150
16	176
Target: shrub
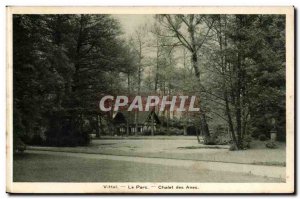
247	139
262	137
233	147
210	140
281	134
171	131
19	146
175	131
162	131
246	142
147	132
68	141
36	140
271	145
18	130
66	131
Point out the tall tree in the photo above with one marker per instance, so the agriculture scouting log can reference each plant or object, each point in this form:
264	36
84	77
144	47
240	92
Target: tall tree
189	31
67	61
242	52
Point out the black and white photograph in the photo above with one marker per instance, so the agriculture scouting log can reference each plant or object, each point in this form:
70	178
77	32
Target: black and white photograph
150	100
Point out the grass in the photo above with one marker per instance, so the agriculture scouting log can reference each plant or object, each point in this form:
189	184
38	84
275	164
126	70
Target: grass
181	149
204	147
55	168
280	164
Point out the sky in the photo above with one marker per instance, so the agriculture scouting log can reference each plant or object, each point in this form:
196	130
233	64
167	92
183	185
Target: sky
130	23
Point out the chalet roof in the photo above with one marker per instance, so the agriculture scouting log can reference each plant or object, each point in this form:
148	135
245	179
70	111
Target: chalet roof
119	118
142	117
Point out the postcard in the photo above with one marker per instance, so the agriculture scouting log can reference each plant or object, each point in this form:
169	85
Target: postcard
150	100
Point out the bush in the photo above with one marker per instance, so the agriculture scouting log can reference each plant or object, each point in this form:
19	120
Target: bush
68	141
210	140
271	145
66	131
18	131
170	131
147	132
233	147
216	138
246	142
281	136
262	137
19	146
175	131
161	131
36	140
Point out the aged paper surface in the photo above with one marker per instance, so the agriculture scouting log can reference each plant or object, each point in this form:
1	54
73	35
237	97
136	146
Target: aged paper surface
131	153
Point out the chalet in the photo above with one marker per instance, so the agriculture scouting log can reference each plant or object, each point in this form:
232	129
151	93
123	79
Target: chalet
135	123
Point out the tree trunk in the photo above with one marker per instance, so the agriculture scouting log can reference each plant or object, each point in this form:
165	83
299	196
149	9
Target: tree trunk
238	103
152	124
157	67
185	123
97	127
198	137
136	122
230	123
224	69
203	122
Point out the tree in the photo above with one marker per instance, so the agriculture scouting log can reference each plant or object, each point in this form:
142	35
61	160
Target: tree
61	63
185	28
240	58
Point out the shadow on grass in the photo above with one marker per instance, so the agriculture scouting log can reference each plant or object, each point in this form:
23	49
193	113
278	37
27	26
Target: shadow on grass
205	147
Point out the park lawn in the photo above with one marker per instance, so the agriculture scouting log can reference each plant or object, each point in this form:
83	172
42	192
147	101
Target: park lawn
55	168
181	149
